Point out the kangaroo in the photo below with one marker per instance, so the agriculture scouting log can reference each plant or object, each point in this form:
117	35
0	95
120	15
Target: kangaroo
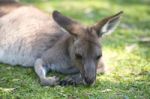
32	38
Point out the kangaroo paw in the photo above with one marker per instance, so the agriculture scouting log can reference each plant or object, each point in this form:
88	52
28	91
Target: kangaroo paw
71	80
66	82
50	81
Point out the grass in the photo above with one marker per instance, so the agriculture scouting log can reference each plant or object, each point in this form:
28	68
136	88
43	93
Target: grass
124	54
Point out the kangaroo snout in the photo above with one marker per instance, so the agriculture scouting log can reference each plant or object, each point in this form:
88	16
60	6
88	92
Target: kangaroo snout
89	80
89	75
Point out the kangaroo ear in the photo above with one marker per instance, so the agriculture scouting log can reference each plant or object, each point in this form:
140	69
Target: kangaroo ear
68	24
108	24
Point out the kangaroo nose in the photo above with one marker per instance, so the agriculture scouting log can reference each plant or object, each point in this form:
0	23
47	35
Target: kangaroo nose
89	72
89	82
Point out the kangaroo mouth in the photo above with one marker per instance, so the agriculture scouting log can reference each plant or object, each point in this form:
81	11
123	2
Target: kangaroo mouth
88	80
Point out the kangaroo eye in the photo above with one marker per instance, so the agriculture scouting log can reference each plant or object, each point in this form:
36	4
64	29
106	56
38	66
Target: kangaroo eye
78	56
98	57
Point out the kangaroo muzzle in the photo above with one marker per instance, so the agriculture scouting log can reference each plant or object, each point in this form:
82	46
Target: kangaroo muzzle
89	74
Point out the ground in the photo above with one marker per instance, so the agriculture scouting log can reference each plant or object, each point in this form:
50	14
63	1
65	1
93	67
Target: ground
125	51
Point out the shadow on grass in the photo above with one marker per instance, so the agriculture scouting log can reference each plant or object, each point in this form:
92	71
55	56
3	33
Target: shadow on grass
130	2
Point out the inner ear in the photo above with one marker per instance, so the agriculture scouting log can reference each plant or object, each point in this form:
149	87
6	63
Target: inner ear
67	23
107	25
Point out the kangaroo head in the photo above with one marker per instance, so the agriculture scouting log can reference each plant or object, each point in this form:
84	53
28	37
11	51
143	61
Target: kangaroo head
85	50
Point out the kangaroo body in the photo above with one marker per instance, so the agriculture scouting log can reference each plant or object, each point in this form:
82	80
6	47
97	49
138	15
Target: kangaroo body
30	37
25	36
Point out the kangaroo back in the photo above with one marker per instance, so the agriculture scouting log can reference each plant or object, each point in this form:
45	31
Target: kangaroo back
6	6
25	33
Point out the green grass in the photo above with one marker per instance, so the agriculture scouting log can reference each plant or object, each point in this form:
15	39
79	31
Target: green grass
128	59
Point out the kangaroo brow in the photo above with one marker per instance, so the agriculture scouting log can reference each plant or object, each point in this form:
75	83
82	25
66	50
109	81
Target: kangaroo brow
94	42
